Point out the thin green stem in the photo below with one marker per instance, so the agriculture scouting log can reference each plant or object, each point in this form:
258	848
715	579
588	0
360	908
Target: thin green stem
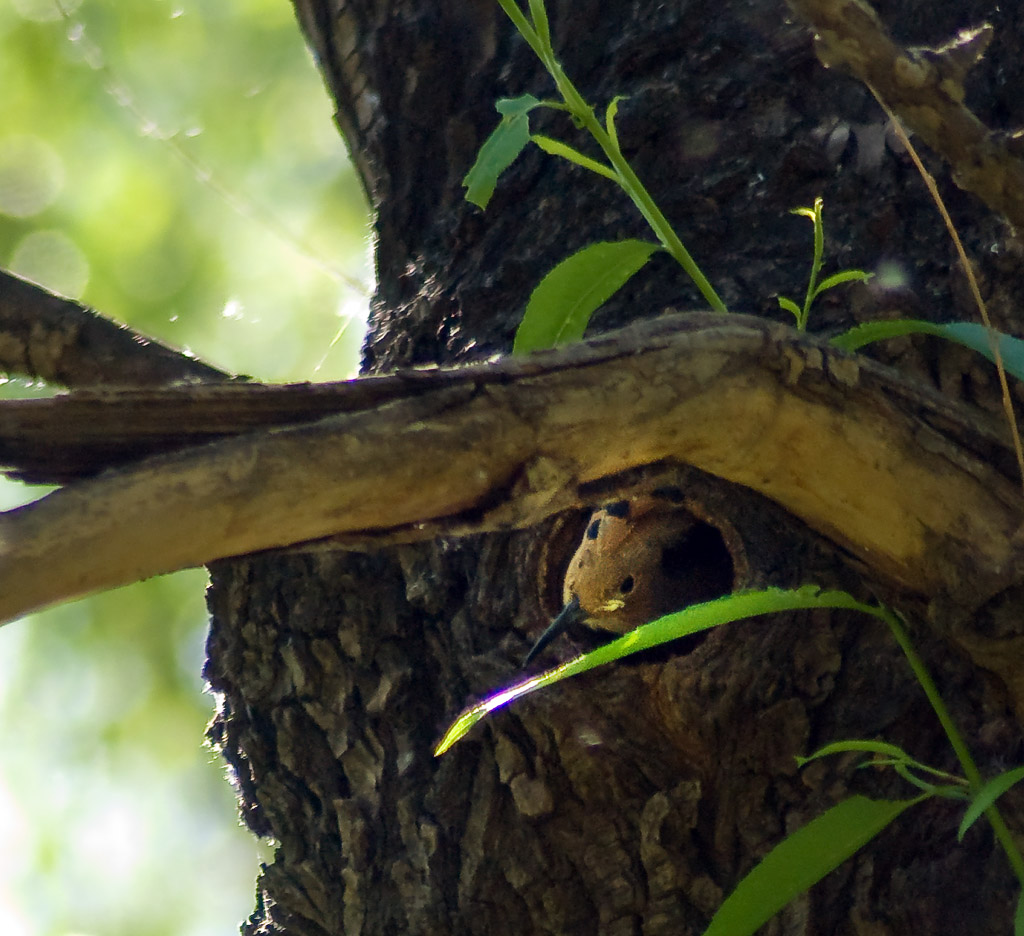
819	255
963	754
540	22
627	178
659	223
631	184
521	23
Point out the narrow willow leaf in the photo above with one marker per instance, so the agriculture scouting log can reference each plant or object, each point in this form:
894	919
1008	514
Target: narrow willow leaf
969	334
609	118
802	859
560	308
976	337
461	726
986	796
500	149
867	747
867	332
558	148
947	791
891	755
690	620
843	276
790	306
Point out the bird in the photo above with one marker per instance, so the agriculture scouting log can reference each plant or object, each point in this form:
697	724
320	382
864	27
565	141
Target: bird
638	560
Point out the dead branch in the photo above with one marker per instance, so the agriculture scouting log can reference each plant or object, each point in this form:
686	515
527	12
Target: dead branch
915	486
77	435
51	338
924	88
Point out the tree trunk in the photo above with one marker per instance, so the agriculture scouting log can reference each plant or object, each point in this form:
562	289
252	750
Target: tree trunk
632	799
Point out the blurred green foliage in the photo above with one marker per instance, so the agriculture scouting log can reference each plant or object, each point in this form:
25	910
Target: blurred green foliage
174	165
106	209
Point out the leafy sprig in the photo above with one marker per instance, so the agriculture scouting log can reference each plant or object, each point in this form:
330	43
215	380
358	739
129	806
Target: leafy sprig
816	287
547	321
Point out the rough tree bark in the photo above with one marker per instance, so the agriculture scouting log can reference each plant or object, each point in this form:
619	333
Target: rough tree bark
632	801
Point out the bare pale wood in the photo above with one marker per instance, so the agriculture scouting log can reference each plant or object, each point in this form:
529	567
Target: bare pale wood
924	87
914	486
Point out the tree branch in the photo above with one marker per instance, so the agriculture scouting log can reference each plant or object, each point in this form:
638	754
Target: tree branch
51	338
924	87
916	487
77	435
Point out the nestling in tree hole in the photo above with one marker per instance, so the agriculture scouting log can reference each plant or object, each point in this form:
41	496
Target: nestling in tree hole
639	559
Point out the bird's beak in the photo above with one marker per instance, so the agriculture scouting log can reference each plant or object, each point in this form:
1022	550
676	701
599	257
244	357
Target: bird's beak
571	614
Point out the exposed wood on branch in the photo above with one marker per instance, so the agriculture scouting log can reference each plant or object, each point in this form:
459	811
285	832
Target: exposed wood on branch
924	87
54	441
51	338
905	480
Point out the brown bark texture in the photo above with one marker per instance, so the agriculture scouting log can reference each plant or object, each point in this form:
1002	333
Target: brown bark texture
633	799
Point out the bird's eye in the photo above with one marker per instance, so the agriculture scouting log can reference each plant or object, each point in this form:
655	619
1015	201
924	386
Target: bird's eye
627	585
619	509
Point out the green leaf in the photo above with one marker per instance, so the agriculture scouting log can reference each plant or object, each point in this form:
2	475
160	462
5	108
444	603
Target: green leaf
843	276
969	334
558	148
501	148
690	620
790	306
949	791
560	308
986	796
975	336
868	747
461	726
867	332
891	755
609	118
801	860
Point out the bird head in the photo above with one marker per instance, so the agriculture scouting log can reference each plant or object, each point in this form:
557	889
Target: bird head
638	559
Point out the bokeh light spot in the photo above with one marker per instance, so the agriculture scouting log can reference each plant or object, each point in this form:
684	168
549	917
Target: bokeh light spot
891	275
53	260
31	175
